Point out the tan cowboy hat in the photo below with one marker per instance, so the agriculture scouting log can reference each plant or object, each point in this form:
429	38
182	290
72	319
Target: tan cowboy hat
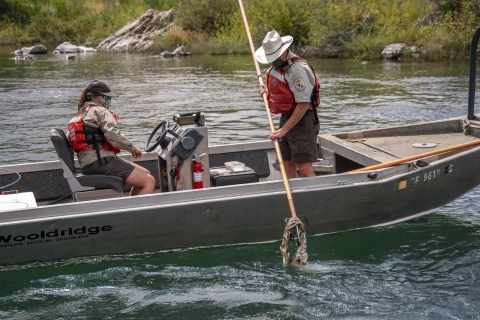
272	47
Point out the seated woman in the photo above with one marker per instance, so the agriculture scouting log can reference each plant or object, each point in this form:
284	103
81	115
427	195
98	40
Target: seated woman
96	139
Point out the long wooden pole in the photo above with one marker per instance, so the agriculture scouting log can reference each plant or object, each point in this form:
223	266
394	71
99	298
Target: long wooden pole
272	126
418	156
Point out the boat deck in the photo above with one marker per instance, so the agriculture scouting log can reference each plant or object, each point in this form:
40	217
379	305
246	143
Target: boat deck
351	150
392	148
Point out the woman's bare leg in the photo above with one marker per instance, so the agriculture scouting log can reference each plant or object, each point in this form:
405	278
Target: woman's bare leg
141	180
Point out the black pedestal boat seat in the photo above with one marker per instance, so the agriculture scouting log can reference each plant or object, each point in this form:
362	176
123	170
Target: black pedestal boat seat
77	180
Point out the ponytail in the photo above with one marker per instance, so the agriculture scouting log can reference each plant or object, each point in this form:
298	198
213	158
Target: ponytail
83	98
86	97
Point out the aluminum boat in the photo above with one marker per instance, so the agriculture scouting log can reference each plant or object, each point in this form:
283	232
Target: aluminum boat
60	213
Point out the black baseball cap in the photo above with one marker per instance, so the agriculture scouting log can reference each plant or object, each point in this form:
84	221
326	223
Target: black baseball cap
98	86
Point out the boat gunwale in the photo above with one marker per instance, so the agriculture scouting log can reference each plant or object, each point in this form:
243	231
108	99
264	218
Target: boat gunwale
147	156
389	131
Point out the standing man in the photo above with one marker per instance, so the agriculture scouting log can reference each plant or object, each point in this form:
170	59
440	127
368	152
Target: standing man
292	90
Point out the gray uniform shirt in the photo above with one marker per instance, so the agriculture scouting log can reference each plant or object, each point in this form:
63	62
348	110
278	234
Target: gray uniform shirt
99	117
300	79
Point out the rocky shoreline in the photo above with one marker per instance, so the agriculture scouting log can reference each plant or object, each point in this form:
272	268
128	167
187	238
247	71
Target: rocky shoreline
140	35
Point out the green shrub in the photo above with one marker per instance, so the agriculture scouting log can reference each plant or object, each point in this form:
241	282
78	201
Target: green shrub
161	5
205	16
294	17
12	11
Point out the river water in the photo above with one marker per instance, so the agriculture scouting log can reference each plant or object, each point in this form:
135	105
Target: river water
427	268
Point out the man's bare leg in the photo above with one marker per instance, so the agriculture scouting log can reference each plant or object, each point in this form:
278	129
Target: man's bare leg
290	169
306	169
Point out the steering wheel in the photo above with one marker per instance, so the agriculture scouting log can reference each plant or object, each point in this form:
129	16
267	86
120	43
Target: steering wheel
163	126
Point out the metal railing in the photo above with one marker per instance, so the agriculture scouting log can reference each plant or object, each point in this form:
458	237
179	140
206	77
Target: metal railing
473	75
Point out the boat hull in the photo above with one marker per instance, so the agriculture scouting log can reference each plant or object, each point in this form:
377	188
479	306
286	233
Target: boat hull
234	214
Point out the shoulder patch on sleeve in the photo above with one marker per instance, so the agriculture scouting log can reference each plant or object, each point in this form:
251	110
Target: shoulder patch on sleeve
299	84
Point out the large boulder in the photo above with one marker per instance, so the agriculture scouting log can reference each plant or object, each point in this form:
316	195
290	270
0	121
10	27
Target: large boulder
37	49
394	51
138	34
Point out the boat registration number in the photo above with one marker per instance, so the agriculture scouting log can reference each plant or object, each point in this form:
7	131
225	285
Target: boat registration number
426	177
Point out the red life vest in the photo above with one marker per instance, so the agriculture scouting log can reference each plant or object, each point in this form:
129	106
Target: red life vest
84	137
280	97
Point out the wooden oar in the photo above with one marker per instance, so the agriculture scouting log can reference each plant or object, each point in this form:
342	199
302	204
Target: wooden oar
294	224
418	156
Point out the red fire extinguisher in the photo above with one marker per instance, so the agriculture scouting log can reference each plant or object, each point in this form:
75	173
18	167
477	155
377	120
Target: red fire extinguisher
197	169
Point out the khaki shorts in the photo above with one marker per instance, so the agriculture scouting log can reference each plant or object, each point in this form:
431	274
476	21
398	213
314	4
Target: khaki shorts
300	143
110	165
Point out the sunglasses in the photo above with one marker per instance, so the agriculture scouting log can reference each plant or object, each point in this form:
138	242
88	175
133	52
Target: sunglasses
107	98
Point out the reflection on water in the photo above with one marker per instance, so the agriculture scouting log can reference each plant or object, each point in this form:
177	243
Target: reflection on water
423	269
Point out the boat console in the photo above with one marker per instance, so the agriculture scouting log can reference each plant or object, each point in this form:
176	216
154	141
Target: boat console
178	145
182	146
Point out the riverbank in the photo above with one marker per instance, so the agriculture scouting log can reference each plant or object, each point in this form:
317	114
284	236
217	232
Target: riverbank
437	29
